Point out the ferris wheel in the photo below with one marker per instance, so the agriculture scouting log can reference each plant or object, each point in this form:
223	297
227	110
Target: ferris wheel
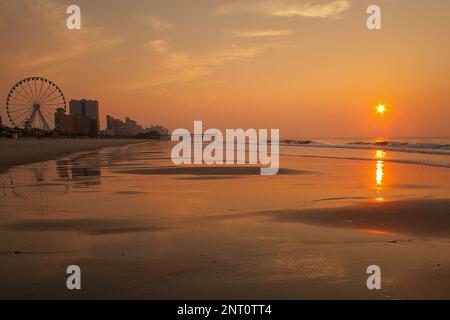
32	103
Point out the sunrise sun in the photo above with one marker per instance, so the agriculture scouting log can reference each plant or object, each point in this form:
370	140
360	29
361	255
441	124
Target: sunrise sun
381	109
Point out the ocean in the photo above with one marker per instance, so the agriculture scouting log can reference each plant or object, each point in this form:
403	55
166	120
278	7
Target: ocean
421	151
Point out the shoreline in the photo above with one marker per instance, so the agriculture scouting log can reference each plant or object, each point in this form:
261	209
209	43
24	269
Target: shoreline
22	151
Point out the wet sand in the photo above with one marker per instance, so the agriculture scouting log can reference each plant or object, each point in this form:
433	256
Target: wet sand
413	218
140	228
15	152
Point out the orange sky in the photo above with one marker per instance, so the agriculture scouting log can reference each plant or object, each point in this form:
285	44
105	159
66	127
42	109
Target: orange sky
310	68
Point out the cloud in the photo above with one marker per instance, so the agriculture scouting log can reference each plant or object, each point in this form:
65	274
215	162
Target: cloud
154	22
272	8
230	54
160	46
329	10
260	33
30	51
179	66
86	44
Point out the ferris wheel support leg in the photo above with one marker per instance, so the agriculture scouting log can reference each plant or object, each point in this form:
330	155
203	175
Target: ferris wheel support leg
31	120
44	122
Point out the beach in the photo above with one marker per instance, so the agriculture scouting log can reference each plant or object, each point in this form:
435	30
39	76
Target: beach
223	155
15	152
141	228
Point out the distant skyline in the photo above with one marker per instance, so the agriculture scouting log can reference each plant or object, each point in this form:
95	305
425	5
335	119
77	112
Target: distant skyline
310	68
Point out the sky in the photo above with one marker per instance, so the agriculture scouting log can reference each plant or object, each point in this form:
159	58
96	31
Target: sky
309	68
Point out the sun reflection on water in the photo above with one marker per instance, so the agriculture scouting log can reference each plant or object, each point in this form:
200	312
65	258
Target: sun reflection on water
379	156
380	173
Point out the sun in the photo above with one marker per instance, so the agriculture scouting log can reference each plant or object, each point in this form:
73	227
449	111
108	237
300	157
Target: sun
381	109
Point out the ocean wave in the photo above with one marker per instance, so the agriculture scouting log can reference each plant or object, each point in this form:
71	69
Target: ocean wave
398	146
408	145
299	142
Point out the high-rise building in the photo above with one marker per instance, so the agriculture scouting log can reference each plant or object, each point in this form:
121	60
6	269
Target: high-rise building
64	123
86	109
75	125
117	128
114	127
163	131
130	128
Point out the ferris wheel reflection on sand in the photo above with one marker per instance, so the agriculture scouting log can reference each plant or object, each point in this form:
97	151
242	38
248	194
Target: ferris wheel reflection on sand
32	103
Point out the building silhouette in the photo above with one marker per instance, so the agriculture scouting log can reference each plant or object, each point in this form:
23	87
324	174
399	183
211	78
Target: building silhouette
130	128
117	128
163	131
113	127
83	119
86	109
